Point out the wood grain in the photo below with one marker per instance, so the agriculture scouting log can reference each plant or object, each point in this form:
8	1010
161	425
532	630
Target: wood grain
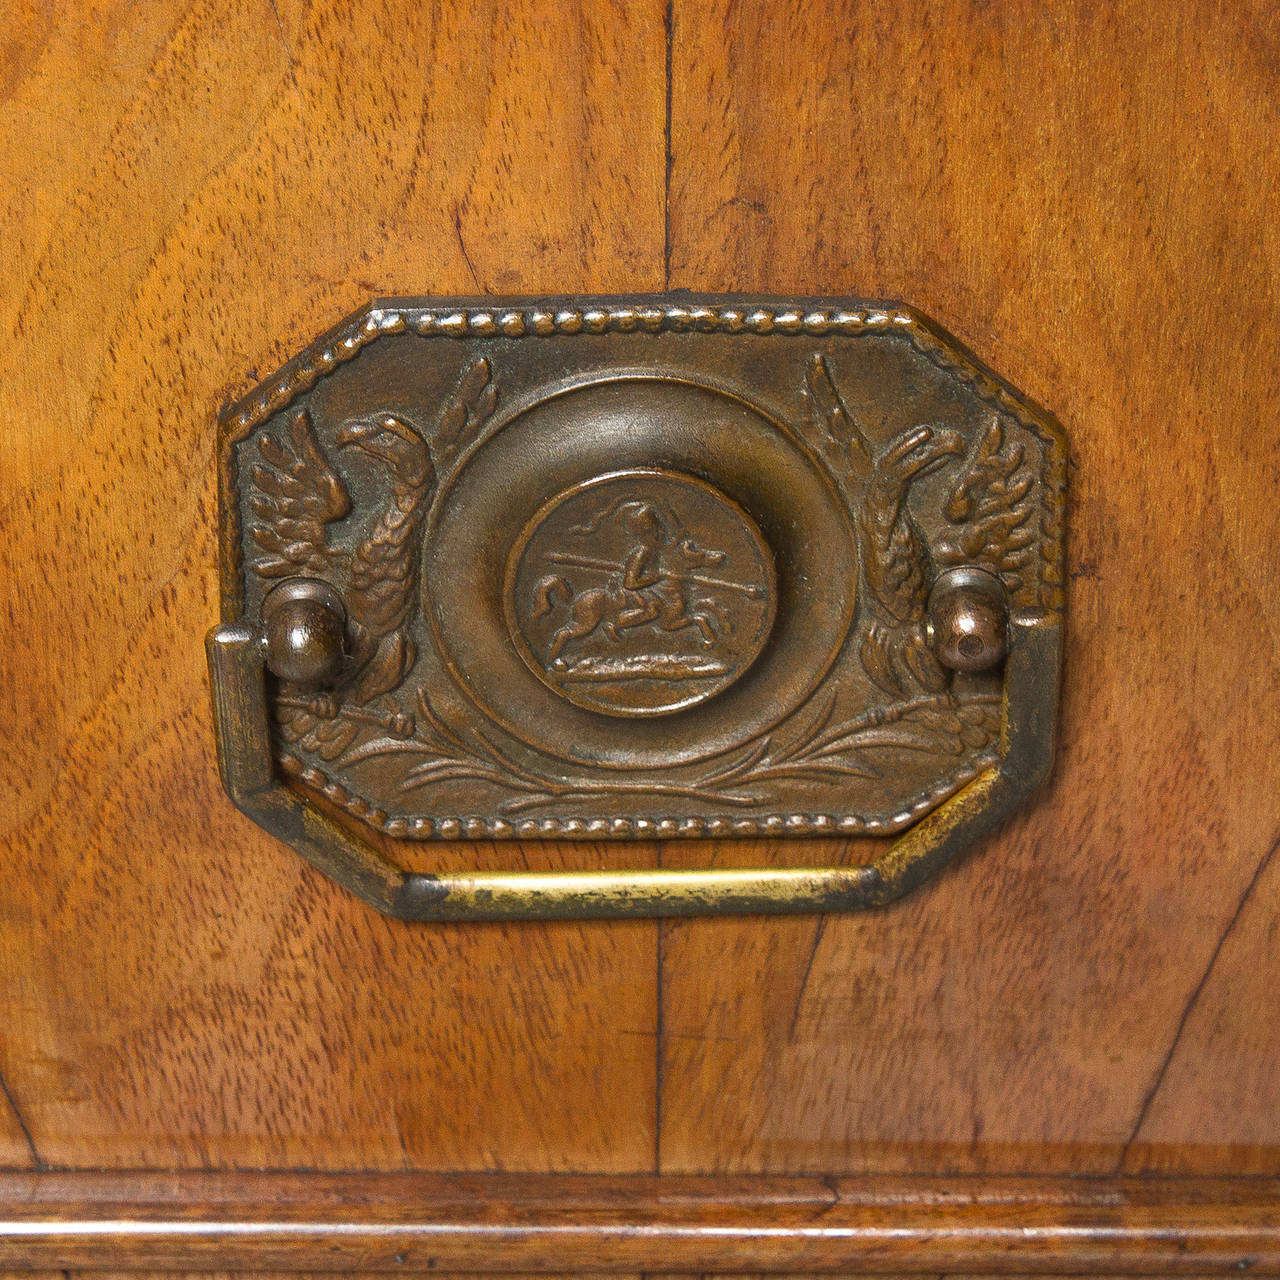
530	1223
193	193
1084	194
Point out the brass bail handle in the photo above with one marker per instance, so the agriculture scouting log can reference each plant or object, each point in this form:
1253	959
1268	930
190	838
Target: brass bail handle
300	640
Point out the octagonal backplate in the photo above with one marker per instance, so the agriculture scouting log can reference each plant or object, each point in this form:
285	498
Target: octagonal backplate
638	566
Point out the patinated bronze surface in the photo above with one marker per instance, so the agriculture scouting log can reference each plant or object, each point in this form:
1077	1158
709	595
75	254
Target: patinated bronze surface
637	566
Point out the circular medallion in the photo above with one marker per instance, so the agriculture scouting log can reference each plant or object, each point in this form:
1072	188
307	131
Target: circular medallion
735	479
640	592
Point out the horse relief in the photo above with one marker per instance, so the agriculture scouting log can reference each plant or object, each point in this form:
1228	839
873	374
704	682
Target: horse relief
649	589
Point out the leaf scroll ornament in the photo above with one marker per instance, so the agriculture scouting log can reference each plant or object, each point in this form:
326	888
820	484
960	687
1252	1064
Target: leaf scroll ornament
468	408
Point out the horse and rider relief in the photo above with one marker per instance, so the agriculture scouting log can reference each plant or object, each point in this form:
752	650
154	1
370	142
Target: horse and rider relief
642	592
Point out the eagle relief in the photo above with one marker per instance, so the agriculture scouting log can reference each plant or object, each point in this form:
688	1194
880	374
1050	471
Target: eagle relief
295	496
640	592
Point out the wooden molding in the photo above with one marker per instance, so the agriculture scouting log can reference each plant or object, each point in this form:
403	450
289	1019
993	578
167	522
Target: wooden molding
529	1223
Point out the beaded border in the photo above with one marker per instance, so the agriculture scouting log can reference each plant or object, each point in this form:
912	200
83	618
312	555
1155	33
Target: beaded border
808	319
770	824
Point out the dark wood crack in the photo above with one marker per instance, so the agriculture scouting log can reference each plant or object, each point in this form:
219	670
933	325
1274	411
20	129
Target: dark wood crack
22	1124
1191	1003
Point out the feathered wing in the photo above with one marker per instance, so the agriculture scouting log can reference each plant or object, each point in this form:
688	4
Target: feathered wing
992	505
296	493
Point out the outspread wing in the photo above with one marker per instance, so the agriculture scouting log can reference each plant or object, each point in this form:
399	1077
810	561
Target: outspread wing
295	495
992	505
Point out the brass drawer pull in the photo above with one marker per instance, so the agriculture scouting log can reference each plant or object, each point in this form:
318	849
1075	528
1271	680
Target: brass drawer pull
642	567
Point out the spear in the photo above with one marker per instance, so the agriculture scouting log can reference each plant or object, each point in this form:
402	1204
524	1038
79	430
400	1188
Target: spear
608	566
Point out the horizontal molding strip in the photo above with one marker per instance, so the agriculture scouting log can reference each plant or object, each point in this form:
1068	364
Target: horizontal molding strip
528	1223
